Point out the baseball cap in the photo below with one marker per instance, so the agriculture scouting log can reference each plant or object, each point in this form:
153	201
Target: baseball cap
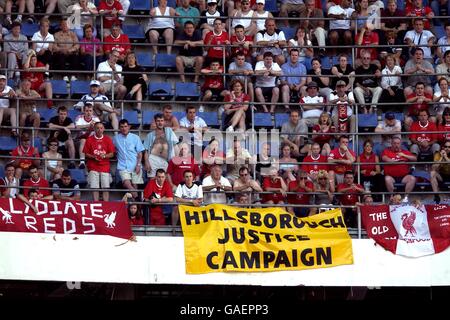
261	1
312	84
212	1
340	83
94	83
389	115
2	76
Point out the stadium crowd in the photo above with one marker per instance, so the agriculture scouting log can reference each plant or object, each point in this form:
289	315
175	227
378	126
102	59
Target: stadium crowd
320	66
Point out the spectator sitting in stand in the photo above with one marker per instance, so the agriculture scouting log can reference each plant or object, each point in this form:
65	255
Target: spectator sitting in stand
86	123
52	160
9	185
299	190
60	126
119	41
213	87
266	72
419	100
66	188
7	93
26	150
440	171
188	192
158	190
28	116
350	197
216	185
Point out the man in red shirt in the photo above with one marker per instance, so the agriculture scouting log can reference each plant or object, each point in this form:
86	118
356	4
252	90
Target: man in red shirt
417	9
340	160
301	187
24	150
243	41
117	41
37	182
179	164
350	196
318	162
99	149
398	172
216	37
276	185
158	190
419	100
421	136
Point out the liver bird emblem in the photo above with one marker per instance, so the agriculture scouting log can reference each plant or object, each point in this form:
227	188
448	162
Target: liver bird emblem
109	219
408	223
6	216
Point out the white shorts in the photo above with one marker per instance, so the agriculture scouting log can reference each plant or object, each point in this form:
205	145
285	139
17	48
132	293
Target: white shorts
95	178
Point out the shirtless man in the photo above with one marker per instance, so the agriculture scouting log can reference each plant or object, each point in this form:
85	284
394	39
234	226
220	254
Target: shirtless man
170	121
160	145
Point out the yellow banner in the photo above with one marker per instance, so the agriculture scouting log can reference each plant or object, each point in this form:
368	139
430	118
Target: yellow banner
222	238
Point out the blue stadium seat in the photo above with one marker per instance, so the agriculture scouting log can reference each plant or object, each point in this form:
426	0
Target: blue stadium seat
439	32
7	143
281	118
37	143
140	7
29	30
179	114
79	88
132	117
135	32
59	88
326	62
170	3
79	175
367	122
289	32
11	83
145	60
2	171
160	91
271	6
186	91
262	120
210	118
72	114
147	117
46	114
165	62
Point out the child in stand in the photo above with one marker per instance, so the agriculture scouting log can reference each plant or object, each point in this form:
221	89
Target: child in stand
214	85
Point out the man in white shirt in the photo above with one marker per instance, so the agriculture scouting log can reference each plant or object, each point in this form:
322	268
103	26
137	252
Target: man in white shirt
196	126
6	93
266	72
109	74
389	125
217	185
101	103
312	104
189	193
418	37
341	28
272	40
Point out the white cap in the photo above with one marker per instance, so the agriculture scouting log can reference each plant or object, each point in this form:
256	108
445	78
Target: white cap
261	1
94	83
212	1
2	76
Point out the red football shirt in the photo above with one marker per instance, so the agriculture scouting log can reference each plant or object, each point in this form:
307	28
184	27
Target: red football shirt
220	41
269	183
22	152
338	167
301	197
177	167
396	170
350	197
121	44
421	131
109	20
40	183
320	163
154	190
98	146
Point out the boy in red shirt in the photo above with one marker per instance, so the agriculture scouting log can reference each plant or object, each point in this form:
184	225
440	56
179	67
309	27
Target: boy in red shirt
301	187
213	86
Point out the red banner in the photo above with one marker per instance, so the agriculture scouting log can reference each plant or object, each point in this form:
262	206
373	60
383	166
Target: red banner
67	217
409	230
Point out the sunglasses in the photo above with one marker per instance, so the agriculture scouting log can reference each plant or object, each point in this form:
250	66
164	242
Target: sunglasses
303	178
446	146
53	145
322	178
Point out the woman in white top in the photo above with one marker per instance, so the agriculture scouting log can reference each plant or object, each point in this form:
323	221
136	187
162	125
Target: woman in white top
391	82
302	43
260	15
53	160
442	98
161	25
